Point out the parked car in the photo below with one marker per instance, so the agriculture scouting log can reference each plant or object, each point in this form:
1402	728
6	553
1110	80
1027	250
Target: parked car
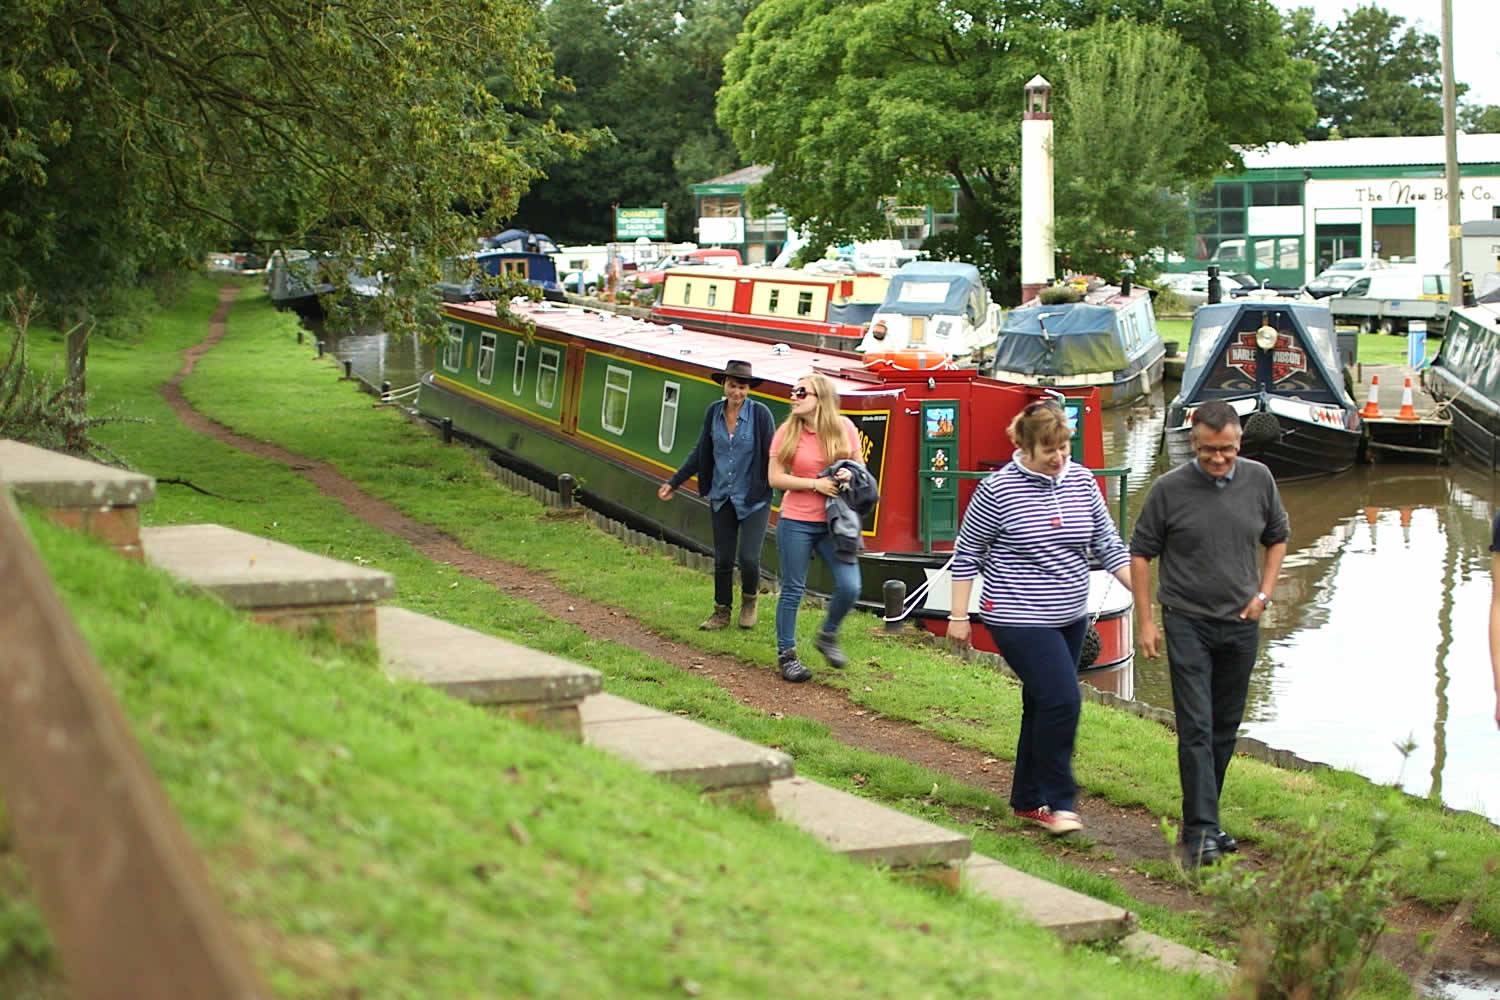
582	282
1356	264
1386	300
1330	282
721	256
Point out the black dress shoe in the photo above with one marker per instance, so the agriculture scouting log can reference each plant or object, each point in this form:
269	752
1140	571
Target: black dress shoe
1227	844
1197	855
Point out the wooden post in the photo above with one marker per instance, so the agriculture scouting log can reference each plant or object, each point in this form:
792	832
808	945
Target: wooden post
78	355
125	895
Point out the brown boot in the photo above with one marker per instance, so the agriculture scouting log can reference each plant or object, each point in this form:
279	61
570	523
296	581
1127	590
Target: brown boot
748	616
719	619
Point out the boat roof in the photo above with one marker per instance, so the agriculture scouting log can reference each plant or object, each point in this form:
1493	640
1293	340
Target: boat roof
1215	325
779	363
761	272
1096	312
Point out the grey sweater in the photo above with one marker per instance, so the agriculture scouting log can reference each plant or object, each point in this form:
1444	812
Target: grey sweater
1209	537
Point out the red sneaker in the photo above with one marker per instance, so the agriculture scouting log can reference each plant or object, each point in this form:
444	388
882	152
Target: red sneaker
1056	823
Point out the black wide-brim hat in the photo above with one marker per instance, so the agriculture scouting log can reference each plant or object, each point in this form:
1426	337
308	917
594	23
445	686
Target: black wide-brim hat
737	370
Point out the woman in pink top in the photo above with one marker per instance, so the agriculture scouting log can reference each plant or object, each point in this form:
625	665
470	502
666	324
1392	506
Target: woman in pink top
814	437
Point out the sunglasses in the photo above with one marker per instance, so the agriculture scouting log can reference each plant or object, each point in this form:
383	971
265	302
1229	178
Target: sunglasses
1039	405
801	393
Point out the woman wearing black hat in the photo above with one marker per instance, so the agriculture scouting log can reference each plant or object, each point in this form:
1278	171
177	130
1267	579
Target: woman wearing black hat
730	461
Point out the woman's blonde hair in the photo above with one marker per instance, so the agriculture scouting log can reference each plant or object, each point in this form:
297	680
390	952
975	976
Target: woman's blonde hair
826	422
1041	424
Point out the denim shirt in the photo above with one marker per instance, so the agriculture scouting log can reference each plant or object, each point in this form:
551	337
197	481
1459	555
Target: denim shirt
733	455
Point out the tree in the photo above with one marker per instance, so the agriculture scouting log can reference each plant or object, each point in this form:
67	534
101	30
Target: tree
1135	84
134	134
858	103
643	75
1482	118
1374	75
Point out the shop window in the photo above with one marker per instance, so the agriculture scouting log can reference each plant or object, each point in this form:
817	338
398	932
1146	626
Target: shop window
616	399
666	434
804	303
453	348
546	377
518	370
486	358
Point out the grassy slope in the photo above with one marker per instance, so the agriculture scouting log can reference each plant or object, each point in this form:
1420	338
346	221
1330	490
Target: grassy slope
257	377
384	840
379	838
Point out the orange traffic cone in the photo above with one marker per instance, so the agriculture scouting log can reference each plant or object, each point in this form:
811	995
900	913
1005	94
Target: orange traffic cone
1406	525
1372	514
1408	411
1372	399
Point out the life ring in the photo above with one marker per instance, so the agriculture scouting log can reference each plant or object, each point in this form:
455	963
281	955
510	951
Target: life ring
908	360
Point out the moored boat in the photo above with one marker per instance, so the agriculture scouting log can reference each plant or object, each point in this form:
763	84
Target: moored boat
466	275
616	402
1466	375
1276	362
1107	339
776	304
935	305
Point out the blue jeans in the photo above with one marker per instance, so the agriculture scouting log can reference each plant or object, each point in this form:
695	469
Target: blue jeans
1046	660
795	543
1210	663
737	540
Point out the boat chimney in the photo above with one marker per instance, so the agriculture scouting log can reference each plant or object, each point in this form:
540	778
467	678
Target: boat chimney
1127	274
1215	290
1038	268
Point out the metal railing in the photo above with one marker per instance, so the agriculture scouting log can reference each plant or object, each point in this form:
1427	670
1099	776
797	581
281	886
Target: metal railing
1122	517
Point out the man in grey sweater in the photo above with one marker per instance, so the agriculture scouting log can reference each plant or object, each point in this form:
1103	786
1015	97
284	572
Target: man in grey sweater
1220	529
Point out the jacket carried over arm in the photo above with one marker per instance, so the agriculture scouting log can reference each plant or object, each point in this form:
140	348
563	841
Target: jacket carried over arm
700	461
846	510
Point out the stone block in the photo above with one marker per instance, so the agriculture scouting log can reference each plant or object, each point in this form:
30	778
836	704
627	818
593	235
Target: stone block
1073	916
678	749
48	479
117	526
348	623
864	830
247	571
1177	957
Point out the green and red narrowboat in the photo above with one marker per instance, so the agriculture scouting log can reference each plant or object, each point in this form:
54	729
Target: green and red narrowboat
618	404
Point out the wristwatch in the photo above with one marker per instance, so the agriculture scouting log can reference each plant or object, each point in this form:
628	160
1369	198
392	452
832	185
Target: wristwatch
1263	598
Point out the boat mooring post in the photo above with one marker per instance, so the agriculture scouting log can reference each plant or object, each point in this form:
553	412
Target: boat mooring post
385	389
447	430
895	604
320	348
348	368
299	336
565	487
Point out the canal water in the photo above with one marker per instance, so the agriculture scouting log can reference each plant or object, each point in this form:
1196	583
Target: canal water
1378	637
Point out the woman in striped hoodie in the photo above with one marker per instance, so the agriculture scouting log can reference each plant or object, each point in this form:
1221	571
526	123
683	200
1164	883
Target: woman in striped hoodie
1029	529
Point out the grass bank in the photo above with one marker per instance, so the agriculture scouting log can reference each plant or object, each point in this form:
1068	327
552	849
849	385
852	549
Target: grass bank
381	840
1374	348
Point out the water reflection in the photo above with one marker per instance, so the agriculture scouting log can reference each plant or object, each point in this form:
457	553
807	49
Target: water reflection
1378	638
377	356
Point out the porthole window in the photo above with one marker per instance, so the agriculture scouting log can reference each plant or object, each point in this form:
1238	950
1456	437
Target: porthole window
486	358
518	370
546	377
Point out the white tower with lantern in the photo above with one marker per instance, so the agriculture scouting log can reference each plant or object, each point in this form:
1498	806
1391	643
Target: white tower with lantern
1038	265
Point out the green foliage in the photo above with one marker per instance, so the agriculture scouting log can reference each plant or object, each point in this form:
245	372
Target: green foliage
1308	930
1132	90
23	935
133	135
641	77
1480	118
1374	76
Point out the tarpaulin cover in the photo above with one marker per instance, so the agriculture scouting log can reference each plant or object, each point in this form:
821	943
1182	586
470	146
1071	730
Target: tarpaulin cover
1064	339
1310	369
1471	351
929	287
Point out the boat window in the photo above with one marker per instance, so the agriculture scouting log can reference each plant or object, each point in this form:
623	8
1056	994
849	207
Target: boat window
667	435
775	299
616	399
546	377
918	334
713	294
453	350
687	293
486	358
518	372
928	292
514	268
804	303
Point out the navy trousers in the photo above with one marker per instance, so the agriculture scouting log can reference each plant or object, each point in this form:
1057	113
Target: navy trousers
1046	660
1210	663
737	541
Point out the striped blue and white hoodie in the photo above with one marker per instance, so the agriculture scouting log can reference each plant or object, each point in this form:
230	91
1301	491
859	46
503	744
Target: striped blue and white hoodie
1030	536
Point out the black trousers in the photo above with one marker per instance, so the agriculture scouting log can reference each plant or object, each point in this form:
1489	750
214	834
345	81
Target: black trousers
1210	663
737	541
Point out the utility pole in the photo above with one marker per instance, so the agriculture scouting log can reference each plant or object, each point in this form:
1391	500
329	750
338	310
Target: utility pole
1450	171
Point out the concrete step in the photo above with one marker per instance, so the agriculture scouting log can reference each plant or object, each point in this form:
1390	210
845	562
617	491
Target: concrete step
869	832
1177	957
1071	915
679	749
485	670
85	496
276	583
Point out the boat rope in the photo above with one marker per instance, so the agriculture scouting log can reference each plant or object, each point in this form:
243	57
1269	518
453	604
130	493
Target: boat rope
916	596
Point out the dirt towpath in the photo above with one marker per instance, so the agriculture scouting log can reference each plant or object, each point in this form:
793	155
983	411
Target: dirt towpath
1120	837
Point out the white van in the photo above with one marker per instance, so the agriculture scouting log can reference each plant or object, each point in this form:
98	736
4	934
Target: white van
1385	300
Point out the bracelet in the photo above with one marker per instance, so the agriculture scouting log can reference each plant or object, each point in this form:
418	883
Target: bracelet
963	619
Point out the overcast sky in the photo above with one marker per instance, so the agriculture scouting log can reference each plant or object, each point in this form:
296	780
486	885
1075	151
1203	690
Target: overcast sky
1476	49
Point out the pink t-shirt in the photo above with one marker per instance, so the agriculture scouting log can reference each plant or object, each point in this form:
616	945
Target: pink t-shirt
809	460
